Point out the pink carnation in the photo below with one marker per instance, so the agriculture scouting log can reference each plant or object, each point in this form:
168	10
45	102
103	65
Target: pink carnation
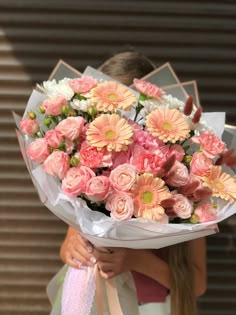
209	143
123	177
29	126
53	105
54	138
97	188
206	212
178	175
121	206
92	157
148	89
38	150
200	164
146	161
75	181
82	85
57	164
71	127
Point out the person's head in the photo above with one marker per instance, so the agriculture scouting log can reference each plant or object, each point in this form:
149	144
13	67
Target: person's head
126	66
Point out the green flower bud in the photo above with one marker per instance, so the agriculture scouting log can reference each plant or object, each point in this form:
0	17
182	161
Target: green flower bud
66	110
188	159
194	219
92	111
41	109
74	161
47	122
31	115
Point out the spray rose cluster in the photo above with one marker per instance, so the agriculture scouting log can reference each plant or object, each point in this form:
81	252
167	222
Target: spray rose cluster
167	168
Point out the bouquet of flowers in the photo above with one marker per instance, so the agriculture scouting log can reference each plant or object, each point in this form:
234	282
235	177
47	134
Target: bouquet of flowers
122	164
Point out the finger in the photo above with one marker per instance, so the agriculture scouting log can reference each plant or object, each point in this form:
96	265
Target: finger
107	275
83	256
71	262
105	267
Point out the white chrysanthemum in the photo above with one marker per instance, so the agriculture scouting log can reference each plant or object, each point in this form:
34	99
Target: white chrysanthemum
151	104
52	88
166	101
172	102
82	105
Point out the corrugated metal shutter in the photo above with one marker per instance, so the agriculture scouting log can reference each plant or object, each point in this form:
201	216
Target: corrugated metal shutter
197	37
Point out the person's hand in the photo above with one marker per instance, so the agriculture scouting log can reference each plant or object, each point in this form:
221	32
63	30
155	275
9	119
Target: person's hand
76	251
114	261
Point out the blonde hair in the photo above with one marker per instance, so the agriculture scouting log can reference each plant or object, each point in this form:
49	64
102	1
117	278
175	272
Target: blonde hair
125	67
183	300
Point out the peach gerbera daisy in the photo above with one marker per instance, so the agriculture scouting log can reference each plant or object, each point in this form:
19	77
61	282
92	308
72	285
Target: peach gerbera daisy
168	125
110	131
148	192
109	96
222	184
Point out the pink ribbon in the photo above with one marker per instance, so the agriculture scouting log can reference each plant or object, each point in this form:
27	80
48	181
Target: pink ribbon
81	286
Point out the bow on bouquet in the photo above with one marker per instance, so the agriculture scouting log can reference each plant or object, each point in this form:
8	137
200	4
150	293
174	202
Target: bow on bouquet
126	164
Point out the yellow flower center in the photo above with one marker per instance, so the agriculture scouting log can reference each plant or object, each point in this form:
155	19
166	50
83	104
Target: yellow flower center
113	97
167	126
110	134
147	197
219	186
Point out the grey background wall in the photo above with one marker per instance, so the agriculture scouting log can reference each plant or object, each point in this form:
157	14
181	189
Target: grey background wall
197	37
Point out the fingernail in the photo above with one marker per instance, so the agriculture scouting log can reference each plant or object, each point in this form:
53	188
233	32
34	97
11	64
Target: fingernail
93	260
90	249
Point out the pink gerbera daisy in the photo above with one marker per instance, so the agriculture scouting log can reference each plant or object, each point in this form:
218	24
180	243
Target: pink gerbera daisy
222	184
148	192
110	131
169	125
109	96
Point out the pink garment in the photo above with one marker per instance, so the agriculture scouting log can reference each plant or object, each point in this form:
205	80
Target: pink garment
149	290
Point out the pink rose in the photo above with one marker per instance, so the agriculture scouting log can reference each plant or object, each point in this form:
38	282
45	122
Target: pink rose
54	138
178	175
74	183
53	105
29	126
206	212
57	164
210	144
121	206
178	151
200	164
148	89
38	150
71	127
123	177
92	157
82	85
181	207
97	188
